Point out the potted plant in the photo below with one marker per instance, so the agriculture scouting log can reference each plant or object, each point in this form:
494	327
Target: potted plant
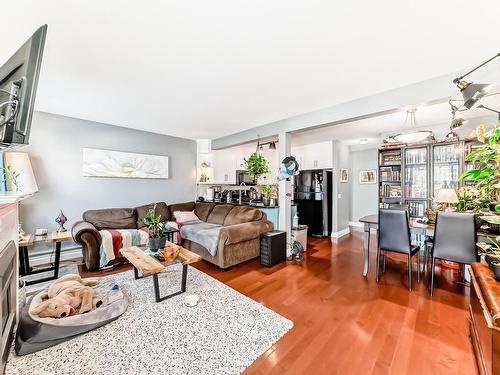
266	193
486	160
491	253
256	165
157	238
471	200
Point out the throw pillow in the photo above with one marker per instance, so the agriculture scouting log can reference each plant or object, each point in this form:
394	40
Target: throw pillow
185	217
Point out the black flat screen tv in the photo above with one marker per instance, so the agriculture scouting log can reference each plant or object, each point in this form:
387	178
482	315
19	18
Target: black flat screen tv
18	83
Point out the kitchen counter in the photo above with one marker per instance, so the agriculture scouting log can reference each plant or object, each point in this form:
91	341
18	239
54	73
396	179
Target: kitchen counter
272	212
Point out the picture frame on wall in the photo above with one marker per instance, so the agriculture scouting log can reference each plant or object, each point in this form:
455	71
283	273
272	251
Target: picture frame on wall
368	176
344	175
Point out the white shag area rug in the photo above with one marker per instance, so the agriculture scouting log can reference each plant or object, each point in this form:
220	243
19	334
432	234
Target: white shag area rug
223	334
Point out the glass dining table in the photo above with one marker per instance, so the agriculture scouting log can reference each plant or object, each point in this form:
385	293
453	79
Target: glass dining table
417	228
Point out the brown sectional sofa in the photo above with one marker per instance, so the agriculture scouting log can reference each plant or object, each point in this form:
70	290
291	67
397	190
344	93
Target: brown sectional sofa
238	241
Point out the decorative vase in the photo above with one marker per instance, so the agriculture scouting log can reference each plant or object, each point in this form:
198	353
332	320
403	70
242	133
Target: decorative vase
495	267
265	200
156	243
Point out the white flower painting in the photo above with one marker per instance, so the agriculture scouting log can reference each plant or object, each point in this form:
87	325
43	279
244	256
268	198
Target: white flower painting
104	163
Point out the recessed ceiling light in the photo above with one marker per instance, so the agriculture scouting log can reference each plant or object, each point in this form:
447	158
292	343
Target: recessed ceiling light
363	141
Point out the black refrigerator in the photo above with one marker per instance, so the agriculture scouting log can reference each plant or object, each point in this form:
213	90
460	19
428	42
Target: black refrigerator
313	196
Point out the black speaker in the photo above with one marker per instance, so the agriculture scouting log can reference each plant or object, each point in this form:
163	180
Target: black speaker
272	248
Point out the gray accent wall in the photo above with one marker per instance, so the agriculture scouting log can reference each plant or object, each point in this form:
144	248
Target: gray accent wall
364	197
55	149
341	190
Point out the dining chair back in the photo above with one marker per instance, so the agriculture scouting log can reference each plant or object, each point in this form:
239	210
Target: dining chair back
394	230
455	240
455	237
394	235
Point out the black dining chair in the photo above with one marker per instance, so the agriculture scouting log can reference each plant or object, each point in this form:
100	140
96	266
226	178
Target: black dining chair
394	235
455	240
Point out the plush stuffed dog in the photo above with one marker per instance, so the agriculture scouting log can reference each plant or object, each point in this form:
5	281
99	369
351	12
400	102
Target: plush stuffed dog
66	295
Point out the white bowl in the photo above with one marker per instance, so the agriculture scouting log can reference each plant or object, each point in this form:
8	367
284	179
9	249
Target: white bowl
191	300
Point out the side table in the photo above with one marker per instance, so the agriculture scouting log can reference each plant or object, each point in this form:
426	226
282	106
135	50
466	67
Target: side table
24	264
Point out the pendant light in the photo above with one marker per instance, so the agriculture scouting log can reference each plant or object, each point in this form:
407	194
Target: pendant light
415	135
472	92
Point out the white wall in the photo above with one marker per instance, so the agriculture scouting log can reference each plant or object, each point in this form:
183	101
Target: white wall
55	149
364	197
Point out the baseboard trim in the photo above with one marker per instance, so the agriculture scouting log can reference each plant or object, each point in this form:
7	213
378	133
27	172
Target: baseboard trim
48	257
341	233
356	224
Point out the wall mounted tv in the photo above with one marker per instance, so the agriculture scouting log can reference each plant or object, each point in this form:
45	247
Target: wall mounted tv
18	83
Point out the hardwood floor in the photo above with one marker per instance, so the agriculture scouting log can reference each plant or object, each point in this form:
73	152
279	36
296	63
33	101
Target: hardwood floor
345	323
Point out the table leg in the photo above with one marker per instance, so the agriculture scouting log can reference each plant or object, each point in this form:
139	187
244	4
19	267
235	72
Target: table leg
57	260
54	268
27	268
156	285
366	248
22	270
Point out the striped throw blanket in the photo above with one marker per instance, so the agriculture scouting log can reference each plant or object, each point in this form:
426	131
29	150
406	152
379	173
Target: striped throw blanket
113	240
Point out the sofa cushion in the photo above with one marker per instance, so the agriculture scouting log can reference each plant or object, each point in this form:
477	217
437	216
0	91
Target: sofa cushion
242	214
219	213
187	206
203	209
185	217
142	211
111	218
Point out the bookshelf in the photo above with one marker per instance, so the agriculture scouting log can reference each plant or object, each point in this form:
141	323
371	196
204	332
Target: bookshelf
412	175
390	188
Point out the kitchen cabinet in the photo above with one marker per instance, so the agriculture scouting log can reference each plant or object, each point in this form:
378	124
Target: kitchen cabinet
227	161
314	155
224	165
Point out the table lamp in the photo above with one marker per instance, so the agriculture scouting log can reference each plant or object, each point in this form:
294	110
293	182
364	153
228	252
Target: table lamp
20	177
446	196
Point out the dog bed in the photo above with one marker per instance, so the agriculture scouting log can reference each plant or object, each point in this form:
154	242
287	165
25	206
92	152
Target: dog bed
35	333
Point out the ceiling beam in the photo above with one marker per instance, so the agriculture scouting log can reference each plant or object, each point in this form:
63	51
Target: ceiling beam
431	91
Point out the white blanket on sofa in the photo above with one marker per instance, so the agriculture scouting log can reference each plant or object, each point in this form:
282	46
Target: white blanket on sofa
205	234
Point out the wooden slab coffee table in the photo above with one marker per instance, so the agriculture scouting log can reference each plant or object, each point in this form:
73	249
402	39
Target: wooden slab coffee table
151	266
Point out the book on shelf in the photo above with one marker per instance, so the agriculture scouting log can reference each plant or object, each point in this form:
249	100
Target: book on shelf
389	174
390	191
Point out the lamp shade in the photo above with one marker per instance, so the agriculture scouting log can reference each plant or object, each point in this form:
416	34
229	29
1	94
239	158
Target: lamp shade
473	92
20	165
446	196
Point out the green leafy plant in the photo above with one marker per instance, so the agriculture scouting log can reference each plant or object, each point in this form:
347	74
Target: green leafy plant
153	222
487	162
470	199
266	191
256	165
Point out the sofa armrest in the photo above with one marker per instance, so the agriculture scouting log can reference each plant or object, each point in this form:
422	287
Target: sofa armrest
86	235
233	234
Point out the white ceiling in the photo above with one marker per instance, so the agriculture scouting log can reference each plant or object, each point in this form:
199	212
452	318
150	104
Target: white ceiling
434	117
204	69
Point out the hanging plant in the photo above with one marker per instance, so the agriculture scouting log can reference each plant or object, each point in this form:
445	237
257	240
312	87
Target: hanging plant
256	165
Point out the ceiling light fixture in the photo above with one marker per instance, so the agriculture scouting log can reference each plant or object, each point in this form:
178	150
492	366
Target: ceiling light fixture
260	146
416	135
456	121
363	141
473	92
